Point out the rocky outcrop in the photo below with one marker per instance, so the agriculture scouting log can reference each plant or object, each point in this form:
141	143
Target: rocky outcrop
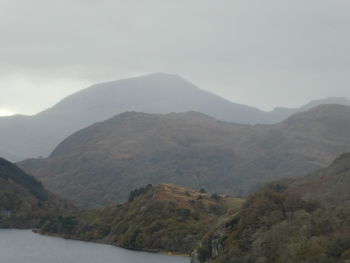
212	244
195	257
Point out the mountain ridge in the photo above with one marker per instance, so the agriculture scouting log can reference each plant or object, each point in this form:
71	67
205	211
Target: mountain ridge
34	136
189	149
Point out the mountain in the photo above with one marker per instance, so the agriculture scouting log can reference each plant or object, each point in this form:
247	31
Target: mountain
101	164
304	220
32	136
163	218
23	200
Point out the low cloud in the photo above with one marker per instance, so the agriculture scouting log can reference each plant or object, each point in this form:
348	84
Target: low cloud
263	53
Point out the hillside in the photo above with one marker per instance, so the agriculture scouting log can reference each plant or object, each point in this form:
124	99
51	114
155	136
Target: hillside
33	136
275	227
328	185
305	220
101	164
23	200
160	218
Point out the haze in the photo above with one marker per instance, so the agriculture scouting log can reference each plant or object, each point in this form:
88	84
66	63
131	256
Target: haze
261	53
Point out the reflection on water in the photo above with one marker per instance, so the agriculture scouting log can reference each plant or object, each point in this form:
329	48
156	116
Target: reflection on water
23	246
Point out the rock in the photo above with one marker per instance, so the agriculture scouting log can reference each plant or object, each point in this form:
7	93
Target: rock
195	257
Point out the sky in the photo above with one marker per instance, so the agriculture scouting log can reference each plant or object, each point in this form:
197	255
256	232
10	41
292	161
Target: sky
261	53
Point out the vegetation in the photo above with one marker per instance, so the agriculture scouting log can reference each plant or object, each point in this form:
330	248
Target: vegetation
288	222
23	200
140	191
279	228
160	218
189	149
8	171
328	185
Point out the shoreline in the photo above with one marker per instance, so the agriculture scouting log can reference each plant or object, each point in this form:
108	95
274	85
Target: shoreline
101	241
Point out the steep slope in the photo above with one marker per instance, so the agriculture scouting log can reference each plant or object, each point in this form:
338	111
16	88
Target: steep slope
161	218
276	228
23	200
33	136
102	163
328	185
305	220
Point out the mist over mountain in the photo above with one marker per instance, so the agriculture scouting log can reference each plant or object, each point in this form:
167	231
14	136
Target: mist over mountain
32	136
100	164
279	114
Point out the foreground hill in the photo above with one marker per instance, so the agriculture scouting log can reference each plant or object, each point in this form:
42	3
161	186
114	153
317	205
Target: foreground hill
32	136
104	162
306	220
23	200
161	218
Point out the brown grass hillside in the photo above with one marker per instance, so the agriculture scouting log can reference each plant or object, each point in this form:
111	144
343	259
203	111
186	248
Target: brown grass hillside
160	218
101	164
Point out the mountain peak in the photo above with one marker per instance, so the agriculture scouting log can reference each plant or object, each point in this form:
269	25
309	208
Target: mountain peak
142	81
156	93
161	75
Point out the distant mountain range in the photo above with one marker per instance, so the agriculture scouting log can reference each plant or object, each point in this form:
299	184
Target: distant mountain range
32	136
100	164
279	114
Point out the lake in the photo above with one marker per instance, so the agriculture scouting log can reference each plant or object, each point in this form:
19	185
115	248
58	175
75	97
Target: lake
24	246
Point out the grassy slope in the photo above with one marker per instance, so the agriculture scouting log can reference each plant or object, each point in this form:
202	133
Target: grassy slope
330	184
165	218
23	200
305	220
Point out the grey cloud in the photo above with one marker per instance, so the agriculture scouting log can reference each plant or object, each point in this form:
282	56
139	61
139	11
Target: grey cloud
263	53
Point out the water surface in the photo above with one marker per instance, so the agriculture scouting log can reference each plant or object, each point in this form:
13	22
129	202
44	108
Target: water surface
24	246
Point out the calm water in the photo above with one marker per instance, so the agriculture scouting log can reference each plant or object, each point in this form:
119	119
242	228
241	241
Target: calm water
23	246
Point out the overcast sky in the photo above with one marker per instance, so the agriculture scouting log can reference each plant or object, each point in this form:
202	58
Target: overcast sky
263	53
